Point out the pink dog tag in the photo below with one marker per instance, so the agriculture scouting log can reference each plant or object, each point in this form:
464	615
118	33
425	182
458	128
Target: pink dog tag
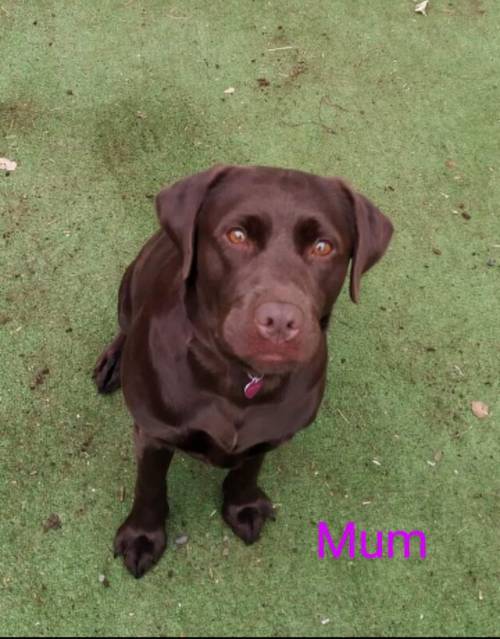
253	386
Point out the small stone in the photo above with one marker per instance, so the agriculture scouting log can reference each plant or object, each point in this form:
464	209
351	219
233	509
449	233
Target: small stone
104	581
438	456
7	165
181	540
480	409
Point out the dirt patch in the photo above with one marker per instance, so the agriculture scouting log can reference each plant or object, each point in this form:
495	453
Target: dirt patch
477	8
17	115
17	210
85	447
39	378
474	8
297	70
125	144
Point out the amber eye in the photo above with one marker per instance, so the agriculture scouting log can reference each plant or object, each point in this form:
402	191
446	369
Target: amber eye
236	236
322	248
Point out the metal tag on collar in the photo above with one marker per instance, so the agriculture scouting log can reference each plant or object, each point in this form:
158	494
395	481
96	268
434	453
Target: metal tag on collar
253	386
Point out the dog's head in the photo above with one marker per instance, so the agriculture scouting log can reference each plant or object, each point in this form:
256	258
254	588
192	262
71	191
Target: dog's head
268	251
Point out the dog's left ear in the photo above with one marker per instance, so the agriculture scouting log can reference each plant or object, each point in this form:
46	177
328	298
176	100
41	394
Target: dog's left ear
373	232
177	208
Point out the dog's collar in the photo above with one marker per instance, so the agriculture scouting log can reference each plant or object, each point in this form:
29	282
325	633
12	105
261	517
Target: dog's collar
254	385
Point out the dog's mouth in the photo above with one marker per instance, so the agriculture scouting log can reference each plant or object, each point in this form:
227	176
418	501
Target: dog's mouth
272	357
267	358
266	361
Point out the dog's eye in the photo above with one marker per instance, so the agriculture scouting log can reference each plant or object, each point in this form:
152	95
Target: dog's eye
322	248
236	236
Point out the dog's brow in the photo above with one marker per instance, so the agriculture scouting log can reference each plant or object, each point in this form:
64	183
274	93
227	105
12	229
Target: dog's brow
316	225
247	218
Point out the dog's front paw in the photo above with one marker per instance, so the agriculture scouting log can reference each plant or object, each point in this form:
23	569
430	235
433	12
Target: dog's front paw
141	549
248	518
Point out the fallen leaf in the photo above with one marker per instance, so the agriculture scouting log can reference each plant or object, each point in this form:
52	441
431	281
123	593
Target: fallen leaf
480	409
438	456
7	165
52	523
421	7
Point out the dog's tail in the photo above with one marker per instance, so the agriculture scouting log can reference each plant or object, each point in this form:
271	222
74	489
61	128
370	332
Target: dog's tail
106	373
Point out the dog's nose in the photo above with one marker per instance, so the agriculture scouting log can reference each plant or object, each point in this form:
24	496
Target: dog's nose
279	322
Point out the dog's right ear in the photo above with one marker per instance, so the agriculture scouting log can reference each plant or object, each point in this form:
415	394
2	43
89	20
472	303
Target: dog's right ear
177	208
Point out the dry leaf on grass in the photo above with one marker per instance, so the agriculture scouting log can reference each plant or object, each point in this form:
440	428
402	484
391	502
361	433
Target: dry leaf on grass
7	165
421	7
480	409
53	523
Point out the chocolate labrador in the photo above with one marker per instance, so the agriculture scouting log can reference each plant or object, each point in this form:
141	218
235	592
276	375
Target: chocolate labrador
221	351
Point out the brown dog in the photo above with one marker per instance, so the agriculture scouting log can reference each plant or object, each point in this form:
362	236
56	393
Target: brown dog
222	350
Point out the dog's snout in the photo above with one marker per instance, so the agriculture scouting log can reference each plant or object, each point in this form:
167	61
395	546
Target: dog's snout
278	321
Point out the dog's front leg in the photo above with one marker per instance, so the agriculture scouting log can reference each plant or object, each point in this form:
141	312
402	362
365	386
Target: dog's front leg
141	539
246	507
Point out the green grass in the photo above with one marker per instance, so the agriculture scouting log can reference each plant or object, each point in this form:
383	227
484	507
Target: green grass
403	106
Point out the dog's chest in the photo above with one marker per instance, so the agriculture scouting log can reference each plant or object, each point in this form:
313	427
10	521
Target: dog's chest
173	405
223	434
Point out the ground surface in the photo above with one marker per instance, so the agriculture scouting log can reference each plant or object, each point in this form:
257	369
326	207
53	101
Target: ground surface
101	104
